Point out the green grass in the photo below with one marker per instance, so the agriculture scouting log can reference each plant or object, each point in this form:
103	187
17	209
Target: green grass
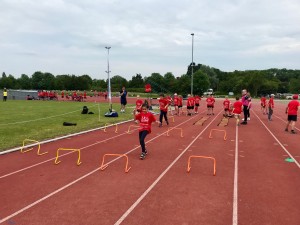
41	120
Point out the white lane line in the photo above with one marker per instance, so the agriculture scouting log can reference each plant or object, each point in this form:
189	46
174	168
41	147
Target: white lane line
79	179
132	207
60	138
235	182
285	122
48	160
282	146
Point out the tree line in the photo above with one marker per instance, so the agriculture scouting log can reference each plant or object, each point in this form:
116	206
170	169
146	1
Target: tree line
256	81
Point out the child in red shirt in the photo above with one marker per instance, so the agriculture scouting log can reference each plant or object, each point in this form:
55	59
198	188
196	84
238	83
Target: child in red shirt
190	104
163	106
226	105
237	110
292	111
180	103
146	119
197	103
210	105
175	100
270	107
263	103
138	105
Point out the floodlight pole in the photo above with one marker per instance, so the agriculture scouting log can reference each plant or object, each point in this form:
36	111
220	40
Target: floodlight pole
108	77
192	77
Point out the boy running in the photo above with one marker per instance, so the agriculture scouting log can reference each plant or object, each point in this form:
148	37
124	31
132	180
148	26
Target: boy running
146	119
163	106
237	110
292	111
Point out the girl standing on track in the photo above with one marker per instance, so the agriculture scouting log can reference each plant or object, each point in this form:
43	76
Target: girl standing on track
145	118
270	107
197	103
292	111
180	100
237	110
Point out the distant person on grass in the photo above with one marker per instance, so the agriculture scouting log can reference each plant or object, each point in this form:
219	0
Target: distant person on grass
123	94
237	110
163	106
146	119
138	105
292	111
4	94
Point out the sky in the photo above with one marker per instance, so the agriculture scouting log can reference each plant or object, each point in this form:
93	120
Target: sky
147	36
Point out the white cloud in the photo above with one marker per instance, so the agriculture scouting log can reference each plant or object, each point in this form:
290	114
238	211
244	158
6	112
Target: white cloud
69	36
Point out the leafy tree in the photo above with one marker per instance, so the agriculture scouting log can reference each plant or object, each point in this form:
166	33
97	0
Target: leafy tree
24	82
201	82
136	81
117	82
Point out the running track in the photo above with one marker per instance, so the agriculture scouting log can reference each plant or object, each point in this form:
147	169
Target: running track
253	185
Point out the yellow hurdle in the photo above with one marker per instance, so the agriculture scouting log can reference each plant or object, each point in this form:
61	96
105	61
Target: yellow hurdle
225	135
199	156
172	128
67	149
104	166
39	147
131	126
113	124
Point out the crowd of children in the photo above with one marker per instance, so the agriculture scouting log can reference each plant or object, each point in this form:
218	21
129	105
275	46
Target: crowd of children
236	109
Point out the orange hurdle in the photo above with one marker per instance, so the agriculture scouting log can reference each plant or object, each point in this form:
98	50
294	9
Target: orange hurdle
103	167
39	147
112	124
181	131
131	126
198	156
67	149
173	119
225	135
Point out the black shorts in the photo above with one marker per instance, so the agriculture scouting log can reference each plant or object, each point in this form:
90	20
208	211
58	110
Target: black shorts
226	110
123	102
180	106
292	117
190	107
197	105
210	106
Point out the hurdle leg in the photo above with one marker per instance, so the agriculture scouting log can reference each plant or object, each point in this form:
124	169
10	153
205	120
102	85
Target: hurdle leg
205	157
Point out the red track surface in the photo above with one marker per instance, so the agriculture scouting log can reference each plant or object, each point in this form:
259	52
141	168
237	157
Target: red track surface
158	190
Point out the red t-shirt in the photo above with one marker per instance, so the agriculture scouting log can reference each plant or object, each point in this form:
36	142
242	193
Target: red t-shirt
271	103
138	104
293	107
162	104
169	99
145	121
175	101
190	101
197	100
263	101
210	101
226	104
179	101
237	107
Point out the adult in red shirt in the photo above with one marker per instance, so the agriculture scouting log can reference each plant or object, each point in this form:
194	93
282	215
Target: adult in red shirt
163	106
190	105
138	105
292	111
210	101
146	119
237	110
226	104
197	103
263	103
270	107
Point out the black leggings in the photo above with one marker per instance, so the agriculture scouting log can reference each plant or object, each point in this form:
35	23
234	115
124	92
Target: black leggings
246	113
142	136
163	114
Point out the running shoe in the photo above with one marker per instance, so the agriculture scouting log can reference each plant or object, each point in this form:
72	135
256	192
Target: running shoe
143	156
293	132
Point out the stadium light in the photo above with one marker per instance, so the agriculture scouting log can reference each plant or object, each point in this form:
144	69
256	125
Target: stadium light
192	77
108	77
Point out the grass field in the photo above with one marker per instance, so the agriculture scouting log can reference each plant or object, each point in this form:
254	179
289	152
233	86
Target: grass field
41	120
